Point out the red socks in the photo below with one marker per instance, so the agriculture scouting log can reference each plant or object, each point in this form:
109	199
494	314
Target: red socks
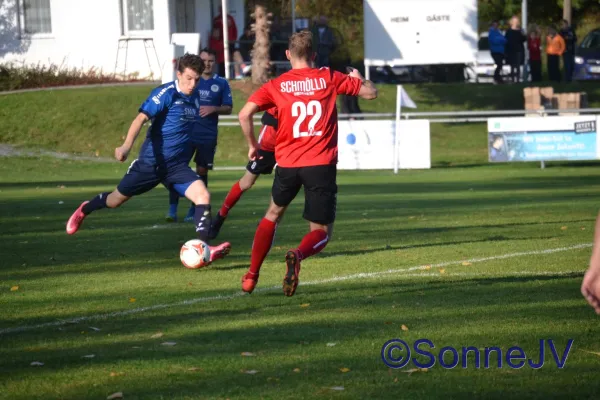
232	197
312	243
263	239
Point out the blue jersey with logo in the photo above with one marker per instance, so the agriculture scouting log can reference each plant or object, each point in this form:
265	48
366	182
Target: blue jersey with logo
211	92
172	115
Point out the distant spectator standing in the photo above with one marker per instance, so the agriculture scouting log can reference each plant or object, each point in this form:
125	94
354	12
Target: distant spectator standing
232	34
243	49
534	44
515	52
497	43
349	104
570	38
232	31
323	42
555	48
216	43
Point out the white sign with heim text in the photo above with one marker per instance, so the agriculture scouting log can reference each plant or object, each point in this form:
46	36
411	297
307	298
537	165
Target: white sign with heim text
420	32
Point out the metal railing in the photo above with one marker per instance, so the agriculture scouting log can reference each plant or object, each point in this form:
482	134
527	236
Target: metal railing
439	116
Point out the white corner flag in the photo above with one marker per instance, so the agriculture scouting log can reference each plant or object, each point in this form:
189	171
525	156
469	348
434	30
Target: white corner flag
406	100
402	100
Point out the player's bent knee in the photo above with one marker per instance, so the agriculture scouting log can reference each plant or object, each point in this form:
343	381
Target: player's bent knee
247	181
116	199
197	193
275	212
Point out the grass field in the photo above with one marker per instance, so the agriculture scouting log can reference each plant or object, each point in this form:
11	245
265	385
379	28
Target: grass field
500	252
95	121
471	254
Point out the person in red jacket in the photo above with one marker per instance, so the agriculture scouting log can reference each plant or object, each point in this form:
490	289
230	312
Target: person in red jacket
232	34
534	44
216	43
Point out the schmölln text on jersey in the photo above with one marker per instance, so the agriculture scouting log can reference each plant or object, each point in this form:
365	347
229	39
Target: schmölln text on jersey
306	87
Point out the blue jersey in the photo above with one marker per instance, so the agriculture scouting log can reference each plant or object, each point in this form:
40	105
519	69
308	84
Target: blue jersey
172	115
211	92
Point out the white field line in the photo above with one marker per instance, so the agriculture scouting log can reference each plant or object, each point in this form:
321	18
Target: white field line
309	283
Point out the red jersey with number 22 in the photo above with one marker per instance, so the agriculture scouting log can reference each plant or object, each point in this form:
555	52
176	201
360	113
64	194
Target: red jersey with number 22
307	133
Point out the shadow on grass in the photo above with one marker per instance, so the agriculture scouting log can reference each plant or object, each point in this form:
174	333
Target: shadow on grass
284	336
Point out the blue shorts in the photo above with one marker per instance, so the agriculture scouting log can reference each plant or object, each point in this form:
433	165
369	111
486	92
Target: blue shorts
204	154
141	178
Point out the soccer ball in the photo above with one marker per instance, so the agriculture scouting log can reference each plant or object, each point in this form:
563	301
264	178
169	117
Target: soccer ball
195	254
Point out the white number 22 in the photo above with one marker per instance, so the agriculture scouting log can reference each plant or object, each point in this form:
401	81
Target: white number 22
301	110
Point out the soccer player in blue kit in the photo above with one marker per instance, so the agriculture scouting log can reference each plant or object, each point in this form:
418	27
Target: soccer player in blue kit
164	155
215	99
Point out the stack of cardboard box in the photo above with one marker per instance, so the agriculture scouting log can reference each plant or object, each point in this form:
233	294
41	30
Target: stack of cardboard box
540	99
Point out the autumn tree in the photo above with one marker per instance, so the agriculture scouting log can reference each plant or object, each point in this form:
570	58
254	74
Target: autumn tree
260	53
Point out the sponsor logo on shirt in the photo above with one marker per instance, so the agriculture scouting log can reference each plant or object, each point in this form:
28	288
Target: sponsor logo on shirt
156	98
188	114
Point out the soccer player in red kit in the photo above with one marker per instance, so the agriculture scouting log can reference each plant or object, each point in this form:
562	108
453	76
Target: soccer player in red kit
305	150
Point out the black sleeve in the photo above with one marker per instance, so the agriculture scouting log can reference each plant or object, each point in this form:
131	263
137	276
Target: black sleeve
269	120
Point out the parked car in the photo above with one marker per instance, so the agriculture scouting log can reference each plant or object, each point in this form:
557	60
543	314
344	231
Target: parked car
587	57
483	70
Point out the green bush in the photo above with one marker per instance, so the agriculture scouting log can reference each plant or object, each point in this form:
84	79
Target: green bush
15	76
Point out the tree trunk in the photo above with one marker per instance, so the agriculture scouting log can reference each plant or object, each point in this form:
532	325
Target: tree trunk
567	10
260	52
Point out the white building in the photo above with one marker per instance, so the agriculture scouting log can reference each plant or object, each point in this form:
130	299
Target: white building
88	33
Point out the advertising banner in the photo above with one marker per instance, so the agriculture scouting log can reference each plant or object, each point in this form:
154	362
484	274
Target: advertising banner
543	139
370	144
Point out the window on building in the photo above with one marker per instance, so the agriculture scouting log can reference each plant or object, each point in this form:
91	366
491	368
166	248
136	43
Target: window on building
36	16
139	15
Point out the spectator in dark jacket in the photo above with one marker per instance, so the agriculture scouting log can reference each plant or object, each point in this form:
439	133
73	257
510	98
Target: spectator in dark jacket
243	50
497	43
515	52
324	42
534	44
568	34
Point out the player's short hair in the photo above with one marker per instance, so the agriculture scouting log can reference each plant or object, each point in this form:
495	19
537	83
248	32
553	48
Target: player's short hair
208	51
300	45
191	61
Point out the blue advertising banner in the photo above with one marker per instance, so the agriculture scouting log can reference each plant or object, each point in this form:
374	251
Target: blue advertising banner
543	139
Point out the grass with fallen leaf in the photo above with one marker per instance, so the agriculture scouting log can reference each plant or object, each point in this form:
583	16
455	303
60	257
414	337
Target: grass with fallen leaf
191	334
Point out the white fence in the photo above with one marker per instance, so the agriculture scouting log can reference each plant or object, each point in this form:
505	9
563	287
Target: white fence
439	117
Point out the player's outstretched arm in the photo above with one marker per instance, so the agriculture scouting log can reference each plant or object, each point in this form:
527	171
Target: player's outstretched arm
245	118
122	152
590	288
368	91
